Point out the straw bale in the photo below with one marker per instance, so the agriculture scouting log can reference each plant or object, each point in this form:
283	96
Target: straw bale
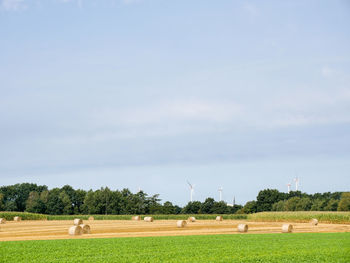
2	220
314	222
181	223
219	218
91	218
77	222
192	219
148	219
242	228
75	230
85	229
17	218
136	218
287	228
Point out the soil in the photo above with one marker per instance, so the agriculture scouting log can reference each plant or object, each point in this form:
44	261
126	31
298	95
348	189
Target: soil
46	230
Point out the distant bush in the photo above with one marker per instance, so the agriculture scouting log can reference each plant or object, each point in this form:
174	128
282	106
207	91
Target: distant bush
25	216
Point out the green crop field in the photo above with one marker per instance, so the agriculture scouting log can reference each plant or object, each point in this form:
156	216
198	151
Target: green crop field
306	247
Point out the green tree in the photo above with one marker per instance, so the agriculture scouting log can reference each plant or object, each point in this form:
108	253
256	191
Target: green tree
207	206
332	205
304	204
192	208
344	203
266	198
168	208
250	207
279	206
291	203
2	205
220	208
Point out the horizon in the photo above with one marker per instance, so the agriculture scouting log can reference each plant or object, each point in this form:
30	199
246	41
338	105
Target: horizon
246	95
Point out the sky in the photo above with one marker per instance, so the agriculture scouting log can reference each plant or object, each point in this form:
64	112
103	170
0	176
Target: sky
148	94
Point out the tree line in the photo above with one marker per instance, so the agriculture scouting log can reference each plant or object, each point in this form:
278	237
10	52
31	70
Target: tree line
27	197
274	200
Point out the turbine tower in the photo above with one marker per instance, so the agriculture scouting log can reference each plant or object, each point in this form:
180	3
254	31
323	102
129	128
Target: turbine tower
296	180
289	185
220	191
191	190
234	201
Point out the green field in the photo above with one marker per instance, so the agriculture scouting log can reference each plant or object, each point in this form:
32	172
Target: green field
306	247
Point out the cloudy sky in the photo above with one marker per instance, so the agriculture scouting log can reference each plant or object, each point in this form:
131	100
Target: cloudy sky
151	93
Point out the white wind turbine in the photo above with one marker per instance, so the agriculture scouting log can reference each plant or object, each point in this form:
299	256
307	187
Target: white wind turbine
220	191
289	185
191	189
296	180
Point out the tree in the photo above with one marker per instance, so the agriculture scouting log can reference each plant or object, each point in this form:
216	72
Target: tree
192	208
220	208
2	206
168	208
250	207
279	206
266	198
207	206
332	205
291	203
344	203
33	202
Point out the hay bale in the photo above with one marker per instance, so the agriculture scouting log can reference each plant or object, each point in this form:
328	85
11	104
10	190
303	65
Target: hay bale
287	228
77	222
136	218
148	219
314	222
2	220
181	223
75	231
91	218
85	229
17	218
219	218
242	228
192	219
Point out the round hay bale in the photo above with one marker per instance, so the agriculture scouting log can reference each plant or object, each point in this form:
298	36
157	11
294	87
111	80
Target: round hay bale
242	228
2	220
192	219
219	218
17	218
148	219
287	228
75	231
91	218
136	218
85	229
77	222
181	223
314	222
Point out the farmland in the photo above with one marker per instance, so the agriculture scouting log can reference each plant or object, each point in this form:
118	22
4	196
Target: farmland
58	229
310	247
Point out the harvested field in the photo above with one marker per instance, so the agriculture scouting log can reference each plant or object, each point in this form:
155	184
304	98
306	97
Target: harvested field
45	230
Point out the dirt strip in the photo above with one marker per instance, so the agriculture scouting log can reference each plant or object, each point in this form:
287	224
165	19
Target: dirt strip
46	230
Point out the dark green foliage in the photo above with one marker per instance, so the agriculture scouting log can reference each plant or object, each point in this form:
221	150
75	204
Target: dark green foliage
344	203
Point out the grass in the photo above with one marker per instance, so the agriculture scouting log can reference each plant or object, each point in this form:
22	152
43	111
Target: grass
25	216
301	247
302	216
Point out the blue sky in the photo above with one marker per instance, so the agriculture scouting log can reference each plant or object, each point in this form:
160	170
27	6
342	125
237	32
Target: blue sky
151	93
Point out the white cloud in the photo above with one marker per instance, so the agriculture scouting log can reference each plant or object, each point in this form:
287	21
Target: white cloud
13	5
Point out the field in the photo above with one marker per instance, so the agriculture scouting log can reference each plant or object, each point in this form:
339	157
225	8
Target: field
44	230
305	247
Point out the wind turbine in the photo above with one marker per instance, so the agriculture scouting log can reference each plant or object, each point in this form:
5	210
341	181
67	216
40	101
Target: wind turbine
289	185
191	189
220	191
296	180
234	201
